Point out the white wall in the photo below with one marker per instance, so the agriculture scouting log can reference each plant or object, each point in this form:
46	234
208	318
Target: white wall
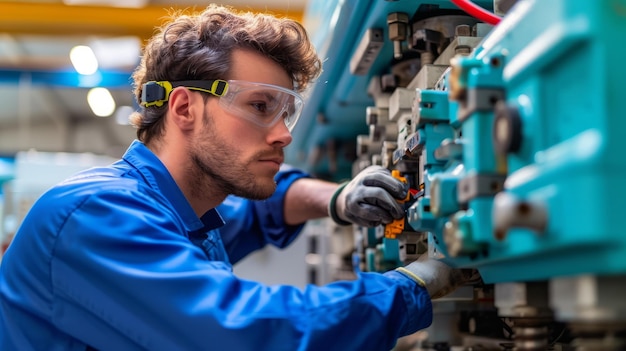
274	266
312	258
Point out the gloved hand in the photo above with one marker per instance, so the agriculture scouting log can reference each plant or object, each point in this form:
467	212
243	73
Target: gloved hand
437	277
370	199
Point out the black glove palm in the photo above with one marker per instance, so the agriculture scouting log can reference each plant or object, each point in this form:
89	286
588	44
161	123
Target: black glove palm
371	198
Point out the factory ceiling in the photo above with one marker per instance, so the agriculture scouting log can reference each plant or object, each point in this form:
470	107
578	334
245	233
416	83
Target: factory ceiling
57	18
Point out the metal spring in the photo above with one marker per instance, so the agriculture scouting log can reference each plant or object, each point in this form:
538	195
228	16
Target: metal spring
531	338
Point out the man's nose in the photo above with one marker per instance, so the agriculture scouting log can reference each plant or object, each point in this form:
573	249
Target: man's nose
279	133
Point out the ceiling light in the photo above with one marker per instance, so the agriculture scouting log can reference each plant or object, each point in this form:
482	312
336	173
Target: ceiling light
84	60
101	102
117	53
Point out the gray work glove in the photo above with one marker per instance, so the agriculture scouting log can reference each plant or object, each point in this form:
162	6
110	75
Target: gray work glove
370	199
438	278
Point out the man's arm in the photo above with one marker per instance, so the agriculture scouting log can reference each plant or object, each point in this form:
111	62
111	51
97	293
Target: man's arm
140	283
308	199
369	199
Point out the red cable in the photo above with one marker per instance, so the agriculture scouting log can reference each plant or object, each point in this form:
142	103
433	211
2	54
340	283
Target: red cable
477	11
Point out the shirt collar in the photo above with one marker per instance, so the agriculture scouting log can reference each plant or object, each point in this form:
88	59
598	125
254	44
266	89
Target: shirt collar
158	178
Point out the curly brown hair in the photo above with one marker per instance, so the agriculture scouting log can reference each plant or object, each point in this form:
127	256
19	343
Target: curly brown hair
196	47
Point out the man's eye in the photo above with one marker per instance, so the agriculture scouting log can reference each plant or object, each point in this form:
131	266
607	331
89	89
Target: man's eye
259	106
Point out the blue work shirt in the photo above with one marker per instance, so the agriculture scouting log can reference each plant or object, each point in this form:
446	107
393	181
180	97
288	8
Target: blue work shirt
116	259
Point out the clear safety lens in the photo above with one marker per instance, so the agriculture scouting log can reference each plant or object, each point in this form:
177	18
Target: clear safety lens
262	104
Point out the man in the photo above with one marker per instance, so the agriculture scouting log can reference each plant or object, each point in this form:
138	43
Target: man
129	257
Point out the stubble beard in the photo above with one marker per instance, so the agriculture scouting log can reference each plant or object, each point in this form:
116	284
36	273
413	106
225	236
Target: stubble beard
218	167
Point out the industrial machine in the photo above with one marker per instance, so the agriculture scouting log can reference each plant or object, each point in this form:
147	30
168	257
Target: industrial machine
505	120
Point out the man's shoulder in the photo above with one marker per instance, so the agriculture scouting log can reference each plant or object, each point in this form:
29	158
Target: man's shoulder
94	183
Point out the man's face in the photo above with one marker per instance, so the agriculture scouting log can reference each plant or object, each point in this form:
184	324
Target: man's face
240	157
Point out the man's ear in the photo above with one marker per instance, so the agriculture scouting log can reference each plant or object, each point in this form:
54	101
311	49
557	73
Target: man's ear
181	108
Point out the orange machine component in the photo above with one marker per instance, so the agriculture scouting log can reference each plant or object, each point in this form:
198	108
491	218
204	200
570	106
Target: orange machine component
397	226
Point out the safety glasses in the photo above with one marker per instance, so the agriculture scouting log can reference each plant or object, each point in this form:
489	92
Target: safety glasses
259	103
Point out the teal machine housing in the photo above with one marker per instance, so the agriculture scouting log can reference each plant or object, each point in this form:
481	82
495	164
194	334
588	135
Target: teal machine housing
542	157
512	136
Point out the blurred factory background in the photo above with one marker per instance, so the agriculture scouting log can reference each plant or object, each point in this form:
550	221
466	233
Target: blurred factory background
45	101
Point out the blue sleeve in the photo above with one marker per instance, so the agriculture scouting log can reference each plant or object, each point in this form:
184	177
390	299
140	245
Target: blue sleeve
250	225
124	278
